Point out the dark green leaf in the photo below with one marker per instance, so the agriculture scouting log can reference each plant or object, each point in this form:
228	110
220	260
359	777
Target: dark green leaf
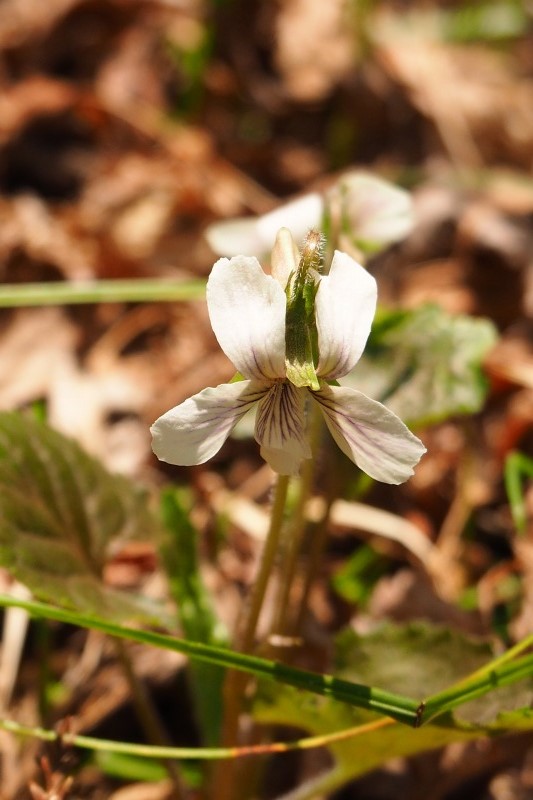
197	617
63	516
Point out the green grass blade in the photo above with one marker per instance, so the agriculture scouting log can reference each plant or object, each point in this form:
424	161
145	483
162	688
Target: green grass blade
517	468
403	709
487	680
139	290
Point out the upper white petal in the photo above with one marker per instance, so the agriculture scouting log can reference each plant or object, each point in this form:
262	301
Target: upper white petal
298	216
345	305
255	236
247	312
194	431
280	427
374	210
234	236
369	434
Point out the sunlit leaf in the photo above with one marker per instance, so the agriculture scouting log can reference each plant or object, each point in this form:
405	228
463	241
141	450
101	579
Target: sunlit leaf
486	21
63	516
426	364
416	658
420	659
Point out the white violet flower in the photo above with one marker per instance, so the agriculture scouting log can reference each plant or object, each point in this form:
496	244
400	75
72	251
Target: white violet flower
361	211
290	334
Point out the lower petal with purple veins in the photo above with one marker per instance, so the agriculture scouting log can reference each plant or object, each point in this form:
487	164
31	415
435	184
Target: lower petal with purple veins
280	427
194	431
369	434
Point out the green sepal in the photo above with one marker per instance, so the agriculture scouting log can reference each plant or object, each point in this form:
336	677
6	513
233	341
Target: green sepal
301	338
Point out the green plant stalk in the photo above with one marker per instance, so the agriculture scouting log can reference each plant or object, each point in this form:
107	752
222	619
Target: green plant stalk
198	621
198	753
282	624
499	672
316	553
517	467
489	668
139	290
493	677
245	639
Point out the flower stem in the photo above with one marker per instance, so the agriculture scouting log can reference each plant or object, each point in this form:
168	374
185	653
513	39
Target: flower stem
316	554
318	543
283	624
246	635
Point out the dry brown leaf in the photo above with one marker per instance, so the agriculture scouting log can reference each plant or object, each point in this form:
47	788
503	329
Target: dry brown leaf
25	19
407	596
162	790
33	97
33	347
31	229
314	46
481	110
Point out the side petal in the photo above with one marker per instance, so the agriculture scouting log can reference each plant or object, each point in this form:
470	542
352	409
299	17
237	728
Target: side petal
280	428
285	257
345	305
247	312
298	216
255	236
233	236
194	431
377	212
369	434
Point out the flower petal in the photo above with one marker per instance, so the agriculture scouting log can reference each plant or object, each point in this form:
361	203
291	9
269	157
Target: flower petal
280	427
281	461
255	236
345	305
370	210
234	236
247	311
369	434
285	257
194	431
298	216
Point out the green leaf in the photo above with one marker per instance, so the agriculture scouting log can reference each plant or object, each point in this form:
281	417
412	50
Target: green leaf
416	658
197	617
426	364
358	755
518	467
420	659
355	580
486	21
63	516
127	767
